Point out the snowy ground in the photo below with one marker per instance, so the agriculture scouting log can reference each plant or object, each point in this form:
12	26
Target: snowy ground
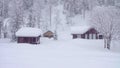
58	54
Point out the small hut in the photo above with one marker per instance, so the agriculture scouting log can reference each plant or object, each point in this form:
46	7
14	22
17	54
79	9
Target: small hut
85	32
48	34
28	35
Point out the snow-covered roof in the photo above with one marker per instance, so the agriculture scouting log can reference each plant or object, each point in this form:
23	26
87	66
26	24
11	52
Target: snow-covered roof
28	32
79	29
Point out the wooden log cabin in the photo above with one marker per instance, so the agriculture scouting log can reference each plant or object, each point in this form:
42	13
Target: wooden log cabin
28	35
85	32
48	34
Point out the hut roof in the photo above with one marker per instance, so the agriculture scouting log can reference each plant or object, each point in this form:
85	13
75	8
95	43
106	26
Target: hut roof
28	32
48	32
79	29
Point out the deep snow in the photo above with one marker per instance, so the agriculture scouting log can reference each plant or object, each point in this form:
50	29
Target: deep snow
76	53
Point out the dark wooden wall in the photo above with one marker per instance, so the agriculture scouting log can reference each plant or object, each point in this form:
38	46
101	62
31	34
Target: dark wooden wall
32	40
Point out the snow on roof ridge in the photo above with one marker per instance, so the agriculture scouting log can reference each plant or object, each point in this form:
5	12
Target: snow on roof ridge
28	32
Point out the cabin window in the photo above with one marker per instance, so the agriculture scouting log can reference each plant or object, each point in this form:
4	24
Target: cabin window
100	36
78	36
74	36
83	36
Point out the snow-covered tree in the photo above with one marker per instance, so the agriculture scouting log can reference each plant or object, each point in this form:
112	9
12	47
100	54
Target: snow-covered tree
28	4
56	23
107	21
1	26
16	11
59	20
7	27
34	13
37	8
30	19
3	13
50	4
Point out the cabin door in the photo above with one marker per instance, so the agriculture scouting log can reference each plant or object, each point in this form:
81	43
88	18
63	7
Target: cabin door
90	36
94	36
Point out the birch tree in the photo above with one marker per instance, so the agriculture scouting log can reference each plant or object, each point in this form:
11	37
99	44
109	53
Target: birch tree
107	21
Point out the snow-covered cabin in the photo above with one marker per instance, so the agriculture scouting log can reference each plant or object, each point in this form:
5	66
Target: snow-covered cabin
29	35
85	32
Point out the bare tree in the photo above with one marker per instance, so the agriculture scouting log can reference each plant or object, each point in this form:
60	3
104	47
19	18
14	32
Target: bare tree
106	21
38	7
16	12
34	15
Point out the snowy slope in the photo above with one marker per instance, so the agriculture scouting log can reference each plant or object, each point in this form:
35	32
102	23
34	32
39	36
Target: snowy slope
58	54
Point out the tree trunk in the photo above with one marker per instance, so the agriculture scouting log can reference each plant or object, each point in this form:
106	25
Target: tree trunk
0	33
83	13
108	43
13	37
0	29
50	16
105	43
55	36
5	34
